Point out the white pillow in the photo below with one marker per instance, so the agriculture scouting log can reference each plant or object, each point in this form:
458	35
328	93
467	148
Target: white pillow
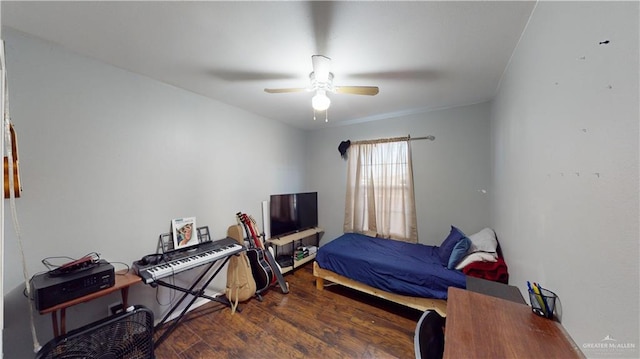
485	241
476	257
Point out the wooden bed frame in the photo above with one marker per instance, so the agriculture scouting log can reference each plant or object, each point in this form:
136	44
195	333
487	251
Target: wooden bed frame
419	303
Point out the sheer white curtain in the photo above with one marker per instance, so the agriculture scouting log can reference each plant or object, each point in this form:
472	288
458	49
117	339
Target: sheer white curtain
380	198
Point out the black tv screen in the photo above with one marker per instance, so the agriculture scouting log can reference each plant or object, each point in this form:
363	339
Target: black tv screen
293	212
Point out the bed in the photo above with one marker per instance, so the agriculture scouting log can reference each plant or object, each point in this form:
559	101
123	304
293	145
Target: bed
414	275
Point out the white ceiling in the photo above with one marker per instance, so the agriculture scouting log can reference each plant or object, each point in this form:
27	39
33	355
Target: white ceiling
422	55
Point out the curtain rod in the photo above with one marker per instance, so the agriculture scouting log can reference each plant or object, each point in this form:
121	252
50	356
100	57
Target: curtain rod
395	139
430	138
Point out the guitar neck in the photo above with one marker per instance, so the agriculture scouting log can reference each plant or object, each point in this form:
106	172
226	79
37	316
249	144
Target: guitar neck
15	173
254	242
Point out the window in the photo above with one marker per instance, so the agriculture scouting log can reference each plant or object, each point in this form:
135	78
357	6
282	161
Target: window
380	199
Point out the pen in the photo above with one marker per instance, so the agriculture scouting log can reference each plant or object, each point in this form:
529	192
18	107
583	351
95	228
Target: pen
546	305
533	289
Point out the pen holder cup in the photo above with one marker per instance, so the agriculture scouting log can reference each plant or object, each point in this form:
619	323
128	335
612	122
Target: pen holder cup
543	304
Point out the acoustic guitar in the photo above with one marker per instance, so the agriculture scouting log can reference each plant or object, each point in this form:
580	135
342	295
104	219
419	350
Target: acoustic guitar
260	268
275	267
17	188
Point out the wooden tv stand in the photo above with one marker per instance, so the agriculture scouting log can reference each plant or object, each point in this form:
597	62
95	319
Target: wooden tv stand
292	239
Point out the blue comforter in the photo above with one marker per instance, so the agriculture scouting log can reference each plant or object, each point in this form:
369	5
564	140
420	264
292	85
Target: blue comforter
393	266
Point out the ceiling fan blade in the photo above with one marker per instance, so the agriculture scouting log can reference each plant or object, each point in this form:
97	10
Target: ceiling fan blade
286	90
357	90
321	67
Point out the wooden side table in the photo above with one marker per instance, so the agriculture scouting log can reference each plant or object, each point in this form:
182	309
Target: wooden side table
124	279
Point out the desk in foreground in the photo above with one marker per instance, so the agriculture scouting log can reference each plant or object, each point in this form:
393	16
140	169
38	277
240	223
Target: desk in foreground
481	326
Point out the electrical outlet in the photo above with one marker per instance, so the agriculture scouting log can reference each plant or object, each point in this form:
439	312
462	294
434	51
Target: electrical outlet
114	308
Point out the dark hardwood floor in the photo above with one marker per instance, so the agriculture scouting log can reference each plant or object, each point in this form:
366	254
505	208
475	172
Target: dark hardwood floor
306	323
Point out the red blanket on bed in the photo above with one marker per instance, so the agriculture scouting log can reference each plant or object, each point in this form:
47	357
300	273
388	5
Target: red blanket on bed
495	271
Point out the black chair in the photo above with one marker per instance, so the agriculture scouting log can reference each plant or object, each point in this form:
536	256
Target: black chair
428	341
126	335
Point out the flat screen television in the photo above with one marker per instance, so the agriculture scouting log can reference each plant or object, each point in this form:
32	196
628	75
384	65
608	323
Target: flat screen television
293	212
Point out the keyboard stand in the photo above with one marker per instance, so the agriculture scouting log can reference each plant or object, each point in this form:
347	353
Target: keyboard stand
196	293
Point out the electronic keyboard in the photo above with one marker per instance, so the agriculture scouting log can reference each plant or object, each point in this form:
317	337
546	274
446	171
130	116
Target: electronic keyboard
179	261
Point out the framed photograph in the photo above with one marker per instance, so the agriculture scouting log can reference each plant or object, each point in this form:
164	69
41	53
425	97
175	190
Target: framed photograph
184	232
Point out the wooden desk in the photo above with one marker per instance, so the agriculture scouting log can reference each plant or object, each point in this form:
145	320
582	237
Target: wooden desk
124	280
482	326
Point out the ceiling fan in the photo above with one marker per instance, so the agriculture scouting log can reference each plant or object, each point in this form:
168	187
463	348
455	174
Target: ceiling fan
322	83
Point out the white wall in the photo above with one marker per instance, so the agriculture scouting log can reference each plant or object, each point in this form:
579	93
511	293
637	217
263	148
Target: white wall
565	166
108	158
449	173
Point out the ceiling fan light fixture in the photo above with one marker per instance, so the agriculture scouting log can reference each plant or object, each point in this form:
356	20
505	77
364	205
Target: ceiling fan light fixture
320	101
321	82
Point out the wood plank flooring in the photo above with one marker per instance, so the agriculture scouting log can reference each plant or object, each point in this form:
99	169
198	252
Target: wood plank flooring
306	323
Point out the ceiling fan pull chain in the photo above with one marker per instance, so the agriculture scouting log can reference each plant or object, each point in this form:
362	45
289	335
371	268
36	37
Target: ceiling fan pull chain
326	115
